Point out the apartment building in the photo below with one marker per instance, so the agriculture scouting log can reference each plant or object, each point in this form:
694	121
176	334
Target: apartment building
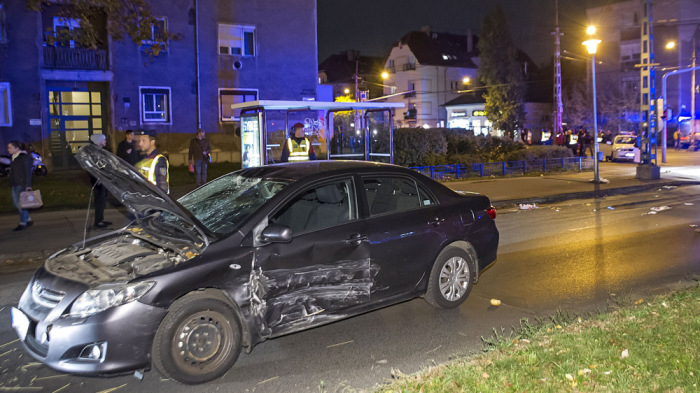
55	95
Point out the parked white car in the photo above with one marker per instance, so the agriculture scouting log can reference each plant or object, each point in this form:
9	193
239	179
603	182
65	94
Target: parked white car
621	148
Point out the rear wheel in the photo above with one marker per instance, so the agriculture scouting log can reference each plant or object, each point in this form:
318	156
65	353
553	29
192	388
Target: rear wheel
452	277
198	340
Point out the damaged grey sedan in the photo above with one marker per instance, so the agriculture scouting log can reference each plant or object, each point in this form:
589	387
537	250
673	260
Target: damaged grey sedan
253	255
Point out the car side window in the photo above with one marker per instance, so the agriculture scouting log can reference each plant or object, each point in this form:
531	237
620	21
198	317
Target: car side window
393	194
318	208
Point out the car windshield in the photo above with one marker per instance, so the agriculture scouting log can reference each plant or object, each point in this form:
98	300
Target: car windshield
224	204
625	140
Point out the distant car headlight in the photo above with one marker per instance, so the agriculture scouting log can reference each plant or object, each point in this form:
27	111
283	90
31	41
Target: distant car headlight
107	296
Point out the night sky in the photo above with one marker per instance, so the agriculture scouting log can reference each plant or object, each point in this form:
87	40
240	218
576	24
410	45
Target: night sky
372	26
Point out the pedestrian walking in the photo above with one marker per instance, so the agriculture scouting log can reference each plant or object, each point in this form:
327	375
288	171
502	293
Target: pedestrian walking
153	165
677	139
126	149
20	180
98	189
200	156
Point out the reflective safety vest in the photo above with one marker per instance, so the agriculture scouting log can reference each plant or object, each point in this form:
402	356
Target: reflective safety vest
147	167
298	151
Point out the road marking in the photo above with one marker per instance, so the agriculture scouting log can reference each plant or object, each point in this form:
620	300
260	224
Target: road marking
582	228
339	344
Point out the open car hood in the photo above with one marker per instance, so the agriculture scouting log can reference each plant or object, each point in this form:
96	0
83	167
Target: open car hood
140	196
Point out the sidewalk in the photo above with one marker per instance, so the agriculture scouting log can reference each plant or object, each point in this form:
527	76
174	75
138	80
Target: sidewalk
53	231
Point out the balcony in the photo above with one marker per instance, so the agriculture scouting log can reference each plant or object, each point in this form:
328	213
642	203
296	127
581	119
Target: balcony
65	58
409	66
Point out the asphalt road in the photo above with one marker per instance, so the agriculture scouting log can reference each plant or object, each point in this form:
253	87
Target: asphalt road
577	256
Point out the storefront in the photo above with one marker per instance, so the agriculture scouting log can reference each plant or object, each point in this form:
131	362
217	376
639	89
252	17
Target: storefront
469	117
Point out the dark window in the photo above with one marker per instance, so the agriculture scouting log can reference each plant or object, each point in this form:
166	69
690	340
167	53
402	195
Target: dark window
391	195
230	97
318	208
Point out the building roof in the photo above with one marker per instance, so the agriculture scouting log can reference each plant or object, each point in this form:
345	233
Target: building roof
340	68
441	49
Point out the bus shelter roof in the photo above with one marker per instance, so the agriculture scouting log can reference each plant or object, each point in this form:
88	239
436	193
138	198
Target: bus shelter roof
316	105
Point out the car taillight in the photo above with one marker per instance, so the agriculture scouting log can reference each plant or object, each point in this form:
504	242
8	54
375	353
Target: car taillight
491	212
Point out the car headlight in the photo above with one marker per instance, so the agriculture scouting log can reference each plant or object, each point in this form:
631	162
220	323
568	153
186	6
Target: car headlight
106	296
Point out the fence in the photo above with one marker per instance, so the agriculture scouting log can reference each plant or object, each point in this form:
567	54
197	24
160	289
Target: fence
461	171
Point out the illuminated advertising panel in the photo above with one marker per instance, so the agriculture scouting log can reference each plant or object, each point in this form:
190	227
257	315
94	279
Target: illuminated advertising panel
251	140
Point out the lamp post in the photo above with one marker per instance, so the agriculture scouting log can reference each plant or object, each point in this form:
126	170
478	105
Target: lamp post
592	45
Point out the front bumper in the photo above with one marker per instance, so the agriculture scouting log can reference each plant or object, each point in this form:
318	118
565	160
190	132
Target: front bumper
123	336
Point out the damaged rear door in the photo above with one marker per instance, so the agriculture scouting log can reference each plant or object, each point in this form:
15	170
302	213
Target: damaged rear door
323	270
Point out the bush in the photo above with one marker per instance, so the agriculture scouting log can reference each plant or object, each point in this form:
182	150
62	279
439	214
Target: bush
533	153
419	146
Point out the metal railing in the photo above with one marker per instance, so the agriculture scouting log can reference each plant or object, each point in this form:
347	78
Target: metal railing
75	58
505	168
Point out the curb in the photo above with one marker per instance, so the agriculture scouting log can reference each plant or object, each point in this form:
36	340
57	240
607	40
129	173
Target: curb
591	194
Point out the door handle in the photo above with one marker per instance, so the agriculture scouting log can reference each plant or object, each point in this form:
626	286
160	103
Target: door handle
356	239
436	221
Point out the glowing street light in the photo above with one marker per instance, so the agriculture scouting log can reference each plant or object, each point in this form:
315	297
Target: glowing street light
385	75
346	91
592	46
670	45
466	80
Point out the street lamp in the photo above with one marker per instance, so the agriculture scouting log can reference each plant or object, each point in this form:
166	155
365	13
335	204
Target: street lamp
592	45
670	45
466	80
385	75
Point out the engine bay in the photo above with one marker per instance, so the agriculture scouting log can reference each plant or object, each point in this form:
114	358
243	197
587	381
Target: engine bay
121	258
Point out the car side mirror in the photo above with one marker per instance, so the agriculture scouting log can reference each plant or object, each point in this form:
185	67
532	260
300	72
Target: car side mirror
276	233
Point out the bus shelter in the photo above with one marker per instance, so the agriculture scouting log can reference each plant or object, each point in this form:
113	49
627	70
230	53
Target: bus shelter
337	130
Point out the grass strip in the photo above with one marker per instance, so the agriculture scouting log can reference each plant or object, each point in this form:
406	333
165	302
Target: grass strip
652	345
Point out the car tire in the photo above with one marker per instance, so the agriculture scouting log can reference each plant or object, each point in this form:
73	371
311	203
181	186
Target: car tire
198	341
452	277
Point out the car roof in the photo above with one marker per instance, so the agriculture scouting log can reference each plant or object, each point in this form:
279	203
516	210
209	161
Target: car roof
320	168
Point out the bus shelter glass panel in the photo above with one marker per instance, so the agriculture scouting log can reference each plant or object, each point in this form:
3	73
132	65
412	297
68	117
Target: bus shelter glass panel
275	134
314	128
379	131
347	136
277	128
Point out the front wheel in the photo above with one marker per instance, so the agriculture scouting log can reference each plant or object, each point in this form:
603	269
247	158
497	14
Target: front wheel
451	278
198	340
40	171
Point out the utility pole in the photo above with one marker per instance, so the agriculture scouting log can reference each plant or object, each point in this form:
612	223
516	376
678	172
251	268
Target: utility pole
558	111
692	89
647	169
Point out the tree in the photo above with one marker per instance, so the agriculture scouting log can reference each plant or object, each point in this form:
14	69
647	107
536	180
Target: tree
120	18
618	105
577	106
499	71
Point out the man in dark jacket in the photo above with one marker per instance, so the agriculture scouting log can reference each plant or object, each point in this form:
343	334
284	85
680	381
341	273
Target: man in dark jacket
100	191
20	180
199	156
126	149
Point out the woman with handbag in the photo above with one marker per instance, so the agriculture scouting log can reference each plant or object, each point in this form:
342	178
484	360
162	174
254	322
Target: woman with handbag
20	180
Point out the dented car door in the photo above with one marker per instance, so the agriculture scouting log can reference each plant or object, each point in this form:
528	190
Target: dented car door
323	270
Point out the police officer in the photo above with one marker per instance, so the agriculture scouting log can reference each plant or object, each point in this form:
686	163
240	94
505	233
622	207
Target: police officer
298	146
153	165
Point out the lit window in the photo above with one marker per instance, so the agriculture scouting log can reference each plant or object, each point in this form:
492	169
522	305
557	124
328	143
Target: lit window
155	104
5	105
228	97
236	40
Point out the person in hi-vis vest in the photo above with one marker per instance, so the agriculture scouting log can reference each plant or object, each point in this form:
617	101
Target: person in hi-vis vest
153	165
297	147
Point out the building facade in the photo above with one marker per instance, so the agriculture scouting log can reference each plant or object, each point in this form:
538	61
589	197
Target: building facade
55	95
618	27
427	69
